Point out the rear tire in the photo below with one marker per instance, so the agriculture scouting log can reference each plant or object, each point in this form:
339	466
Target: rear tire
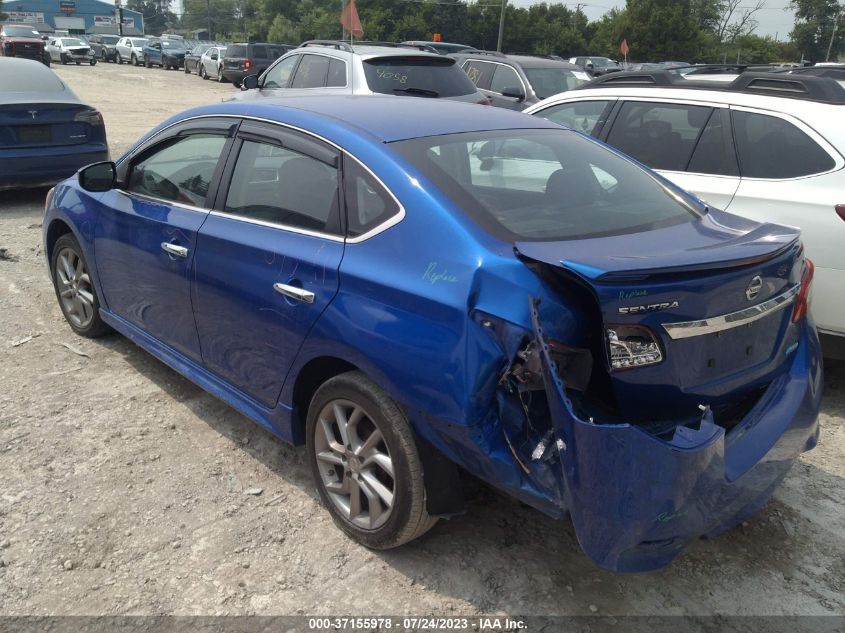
373	486
75	288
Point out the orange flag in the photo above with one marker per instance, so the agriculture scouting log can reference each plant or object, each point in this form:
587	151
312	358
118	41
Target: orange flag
349	19
623	47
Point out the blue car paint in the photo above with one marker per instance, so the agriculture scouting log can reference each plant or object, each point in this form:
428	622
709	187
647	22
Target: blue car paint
436	329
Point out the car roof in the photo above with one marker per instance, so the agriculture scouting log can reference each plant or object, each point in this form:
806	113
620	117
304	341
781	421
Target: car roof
529	61
384	118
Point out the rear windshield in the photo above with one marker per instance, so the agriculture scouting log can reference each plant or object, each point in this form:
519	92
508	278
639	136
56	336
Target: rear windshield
546	185
20	31
417	76
548	81
236	50
30	78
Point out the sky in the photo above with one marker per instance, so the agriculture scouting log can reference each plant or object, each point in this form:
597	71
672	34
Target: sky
773	19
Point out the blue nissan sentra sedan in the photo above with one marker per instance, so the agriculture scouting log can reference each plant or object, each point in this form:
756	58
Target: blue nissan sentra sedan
46	132
413	288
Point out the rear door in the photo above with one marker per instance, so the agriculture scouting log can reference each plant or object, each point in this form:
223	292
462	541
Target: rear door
146	234
268	256
688	143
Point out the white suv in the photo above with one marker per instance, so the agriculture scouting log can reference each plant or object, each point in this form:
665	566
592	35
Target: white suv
366	68
131	50
765	146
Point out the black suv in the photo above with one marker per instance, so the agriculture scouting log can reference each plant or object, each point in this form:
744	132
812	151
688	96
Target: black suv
241	60
103	47
518	81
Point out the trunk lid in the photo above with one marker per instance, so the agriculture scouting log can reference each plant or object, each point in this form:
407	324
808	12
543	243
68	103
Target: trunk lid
740	277
43	124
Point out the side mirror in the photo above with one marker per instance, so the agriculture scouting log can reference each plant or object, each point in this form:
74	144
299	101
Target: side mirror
589	65
250	82
514	92
98	177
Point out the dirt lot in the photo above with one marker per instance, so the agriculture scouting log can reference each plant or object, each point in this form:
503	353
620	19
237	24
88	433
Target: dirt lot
124	485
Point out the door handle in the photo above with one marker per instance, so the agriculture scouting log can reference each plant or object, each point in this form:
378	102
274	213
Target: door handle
293	292
174	249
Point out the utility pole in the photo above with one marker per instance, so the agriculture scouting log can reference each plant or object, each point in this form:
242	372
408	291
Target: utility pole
119	17
208	19
833	35
501	25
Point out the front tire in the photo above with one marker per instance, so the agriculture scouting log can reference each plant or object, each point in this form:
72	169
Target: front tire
63	59
93	62
203	74
135	60
119	59
365	463
75	288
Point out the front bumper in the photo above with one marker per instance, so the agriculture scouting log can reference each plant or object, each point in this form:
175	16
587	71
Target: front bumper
636	500
44	166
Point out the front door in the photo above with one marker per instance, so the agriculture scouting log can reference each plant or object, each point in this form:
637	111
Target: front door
268	257
146	234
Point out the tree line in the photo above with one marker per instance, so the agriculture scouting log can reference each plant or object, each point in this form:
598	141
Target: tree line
715	31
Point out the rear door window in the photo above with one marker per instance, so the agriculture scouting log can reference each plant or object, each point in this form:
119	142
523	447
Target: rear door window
275	184
504	77
660	135
311	72
771	147
337	74
583	116
480	73
713	154
432	76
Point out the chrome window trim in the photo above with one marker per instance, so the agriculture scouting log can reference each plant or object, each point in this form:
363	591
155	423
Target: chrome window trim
687	329
181	205
393	220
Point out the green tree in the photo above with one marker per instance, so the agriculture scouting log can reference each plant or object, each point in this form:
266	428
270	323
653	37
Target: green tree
664	30
158	17
814	28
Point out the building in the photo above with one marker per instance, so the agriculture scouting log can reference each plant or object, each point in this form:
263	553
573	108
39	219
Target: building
75	16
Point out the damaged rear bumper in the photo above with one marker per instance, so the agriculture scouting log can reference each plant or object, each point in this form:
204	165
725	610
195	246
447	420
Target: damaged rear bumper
636	500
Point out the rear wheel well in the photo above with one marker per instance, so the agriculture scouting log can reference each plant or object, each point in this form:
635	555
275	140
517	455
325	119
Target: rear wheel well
54	232
313	374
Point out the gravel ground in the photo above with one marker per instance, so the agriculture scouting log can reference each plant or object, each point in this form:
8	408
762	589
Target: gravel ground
126	489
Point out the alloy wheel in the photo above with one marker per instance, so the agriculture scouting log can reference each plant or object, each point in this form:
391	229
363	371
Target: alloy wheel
354	464
75	290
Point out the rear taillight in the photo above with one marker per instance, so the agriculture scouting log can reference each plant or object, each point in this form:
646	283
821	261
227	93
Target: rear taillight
486	101
247	64
630	346
91	117
802	302
840	210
